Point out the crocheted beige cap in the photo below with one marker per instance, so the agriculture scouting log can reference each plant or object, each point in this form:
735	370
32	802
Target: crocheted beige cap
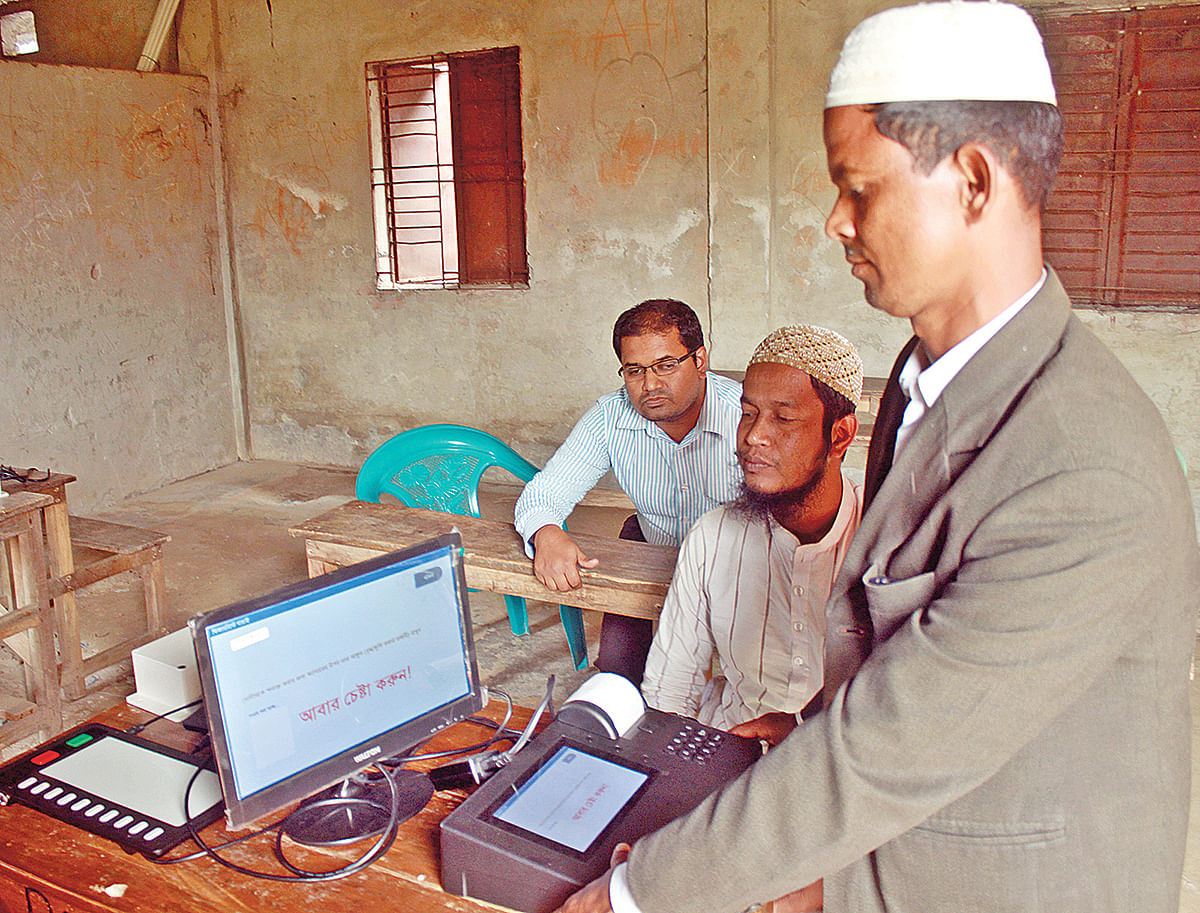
948	51
819	353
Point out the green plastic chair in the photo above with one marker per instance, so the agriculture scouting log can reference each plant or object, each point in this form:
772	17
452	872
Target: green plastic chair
438	467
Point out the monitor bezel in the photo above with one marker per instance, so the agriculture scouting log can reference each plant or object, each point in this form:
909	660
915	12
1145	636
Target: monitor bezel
242	812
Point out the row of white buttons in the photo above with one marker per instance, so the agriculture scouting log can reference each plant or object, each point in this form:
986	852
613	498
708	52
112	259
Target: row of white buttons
62	797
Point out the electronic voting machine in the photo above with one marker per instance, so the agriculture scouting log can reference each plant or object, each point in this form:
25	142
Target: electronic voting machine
607	770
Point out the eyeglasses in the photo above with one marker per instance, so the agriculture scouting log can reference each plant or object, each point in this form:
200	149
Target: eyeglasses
661	368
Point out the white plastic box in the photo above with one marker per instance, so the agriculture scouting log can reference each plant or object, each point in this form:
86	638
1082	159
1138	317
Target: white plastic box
164	674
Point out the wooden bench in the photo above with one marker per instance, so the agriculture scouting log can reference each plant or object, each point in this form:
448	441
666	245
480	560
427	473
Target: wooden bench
631	579
121	549
29	621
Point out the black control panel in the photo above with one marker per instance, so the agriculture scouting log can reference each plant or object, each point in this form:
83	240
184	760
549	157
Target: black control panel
118	786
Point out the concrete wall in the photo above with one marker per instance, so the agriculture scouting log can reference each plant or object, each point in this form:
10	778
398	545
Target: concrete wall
673	147
98	33
614	138
113	359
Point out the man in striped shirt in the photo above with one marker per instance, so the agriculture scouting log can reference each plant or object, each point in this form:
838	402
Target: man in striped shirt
668	436
754	575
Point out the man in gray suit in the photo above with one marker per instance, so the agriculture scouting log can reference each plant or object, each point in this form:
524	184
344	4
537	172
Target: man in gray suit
1006	722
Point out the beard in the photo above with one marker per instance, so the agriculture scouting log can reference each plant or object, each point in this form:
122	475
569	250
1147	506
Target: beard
759	505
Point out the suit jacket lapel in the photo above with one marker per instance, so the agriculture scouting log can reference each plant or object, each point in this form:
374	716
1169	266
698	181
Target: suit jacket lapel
964	417
942	445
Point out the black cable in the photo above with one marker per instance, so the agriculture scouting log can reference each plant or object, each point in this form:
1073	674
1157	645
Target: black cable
8	474
500	731
135	729
478	746
381	845
200	854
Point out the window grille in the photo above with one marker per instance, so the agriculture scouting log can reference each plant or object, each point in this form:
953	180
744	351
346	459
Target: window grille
448	171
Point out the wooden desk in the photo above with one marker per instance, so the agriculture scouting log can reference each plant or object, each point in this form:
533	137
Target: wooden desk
631	579
51	867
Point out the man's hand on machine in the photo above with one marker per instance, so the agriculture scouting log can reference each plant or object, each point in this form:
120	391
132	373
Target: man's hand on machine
557	559
771	728
593	897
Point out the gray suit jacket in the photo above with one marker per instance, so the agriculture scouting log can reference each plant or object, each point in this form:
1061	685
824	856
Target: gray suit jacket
1007	724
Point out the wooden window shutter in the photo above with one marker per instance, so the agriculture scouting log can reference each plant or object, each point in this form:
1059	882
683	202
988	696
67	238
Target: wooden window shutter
1122	227
485	101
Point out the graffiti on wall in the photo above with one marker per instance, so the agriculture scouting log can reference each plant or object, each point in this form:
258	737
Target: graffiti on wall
639	58
101	181
156	143
297	152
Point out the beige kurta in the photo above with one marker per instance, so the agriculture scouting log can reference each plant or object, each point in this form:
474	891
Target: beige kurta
747	594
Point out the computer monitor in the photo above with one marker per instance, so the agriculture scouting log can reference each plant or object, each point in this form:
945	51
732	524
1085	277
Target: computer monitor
306	686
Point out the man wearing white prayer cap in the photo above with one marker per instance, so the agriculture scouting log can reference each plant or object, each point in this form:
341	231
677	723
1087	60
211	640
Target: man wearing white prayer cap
1006	723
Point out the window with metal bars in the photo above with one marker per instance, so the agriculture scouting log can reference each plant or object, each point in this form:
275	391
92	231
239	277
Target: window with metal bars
447	170
1122	227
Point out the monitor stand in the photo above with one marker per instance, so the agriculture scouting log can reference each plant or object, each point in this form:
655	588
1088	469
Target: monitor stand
357	808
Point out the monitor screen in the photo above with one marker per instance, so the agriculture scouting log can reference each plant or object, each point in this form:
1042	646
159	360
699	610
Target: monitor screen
307	685
572	797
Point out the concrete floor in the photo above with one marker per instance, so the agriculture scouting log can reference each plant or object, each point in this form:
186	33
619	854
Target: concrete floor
229	541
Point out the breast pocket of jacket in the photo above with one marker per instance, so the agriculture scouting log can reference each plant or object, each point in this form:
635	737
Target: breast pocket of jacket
890	600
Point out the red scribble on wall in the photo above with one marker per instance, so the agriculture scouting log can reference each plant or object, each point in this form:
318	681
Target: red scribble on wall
637	144
155	138
279	212
641	32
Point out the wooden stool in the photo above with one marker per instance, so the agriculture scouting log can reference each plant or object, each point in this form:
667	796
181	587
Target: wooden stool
39	710
125	549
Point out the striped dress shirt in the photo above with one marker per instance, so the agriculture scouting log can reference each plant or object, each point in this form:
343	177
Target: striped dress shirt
748	593
670	484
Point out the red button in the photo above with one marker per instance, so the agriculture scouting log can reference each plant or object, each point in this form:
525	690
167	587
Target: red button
44	758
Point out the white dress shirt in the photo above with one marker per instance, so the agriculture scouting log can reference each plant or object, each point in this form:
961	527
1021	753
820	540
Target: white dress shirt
923	383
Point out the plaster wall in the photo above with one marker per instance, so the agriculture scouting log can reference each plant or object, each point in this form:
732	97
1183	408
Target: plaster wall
672	147
99	33
614	139
113	360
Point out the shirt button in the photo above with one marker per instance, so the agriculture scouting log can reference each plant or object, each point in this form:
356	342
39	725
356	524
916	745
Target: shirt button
799	590
797	661
799	626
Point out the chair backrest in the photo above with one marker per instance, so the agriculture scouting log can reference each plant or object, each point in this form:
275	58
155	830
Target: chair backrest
437	467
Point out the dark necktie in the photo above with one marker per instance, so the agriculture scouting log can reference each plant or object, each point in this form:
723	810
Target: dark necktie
883	439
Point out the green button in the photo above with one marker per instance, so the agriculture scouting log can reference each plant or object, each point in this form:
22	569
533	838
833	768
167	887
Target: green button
82	739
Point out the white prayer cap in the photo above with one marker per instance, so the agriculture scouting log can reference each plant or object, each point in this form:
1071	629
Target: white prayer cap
948	51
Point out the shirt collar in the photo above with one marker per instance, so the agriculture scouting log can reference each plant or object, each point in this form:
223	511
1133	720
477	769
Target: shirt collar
923	381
